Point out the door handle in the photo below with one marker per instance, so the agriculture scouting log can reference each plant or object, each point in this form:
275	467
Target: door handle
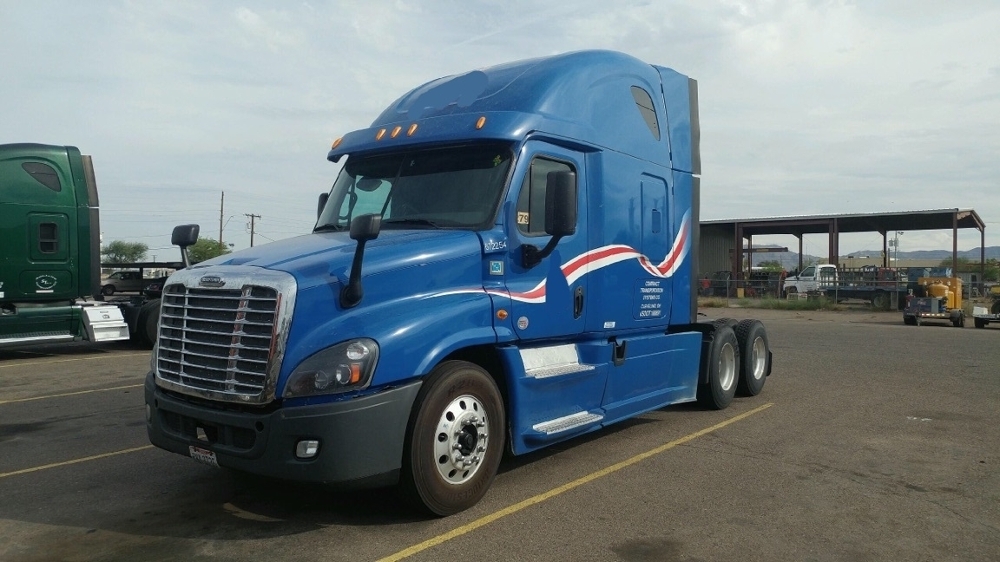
578	302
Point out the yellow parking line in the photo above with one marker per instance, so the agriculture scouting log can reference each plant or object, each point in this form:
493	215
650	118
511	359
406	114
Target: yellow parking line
74	461
67	394
486	520
33	363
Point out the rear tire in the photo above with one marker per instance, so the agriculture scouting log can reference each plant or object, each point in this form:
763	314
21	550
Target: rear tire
755	357
721	365
980	323
731	322
880	301
455	439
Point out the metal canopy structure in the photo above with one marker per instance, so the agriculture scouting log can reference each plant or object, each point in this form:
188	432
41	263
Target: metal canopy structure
883	223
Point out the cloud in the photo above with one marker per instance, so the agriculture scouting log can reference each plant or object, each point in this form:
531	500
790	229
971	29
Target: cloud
819	106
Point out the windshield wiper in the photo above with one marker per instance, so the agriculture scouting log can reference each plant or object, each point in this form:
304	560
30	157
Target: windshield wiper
329	228
412	222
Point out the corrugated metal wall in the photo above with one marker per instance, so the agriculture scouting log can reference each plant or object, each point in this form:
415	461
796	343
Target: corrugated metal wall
716	245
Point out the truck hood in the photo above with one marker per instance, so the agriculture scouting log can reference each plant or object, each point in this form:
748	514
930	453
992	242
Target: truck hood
313	258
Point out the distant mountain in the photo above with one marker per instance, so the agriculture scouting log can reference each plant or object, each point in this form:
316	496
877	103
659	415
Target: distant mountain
790	260
973	254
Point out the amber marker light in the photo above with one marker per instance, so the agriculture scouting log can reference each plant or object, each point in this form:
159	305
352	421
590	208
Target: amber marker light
336	143
411	130
502	314
481	122
395	131
355	372
380	134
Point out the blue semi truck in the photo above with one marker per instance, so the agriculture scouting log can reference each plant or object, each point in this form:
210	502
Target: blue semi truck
506	260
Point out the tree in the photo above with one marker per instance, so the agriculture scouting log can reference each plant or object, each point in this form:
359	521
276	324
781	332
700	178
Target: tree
771	265
119	251
206	249
963	263
991	273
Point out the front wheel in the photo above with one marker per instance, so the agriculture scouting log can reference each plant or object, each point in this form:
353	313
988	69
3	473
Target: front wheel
455	439
720	365
108	290
148	327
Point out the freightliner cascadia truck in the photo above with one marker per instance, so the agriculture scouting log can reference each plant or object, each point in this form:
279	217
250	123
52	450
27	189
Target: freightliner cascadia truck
50	253
506	260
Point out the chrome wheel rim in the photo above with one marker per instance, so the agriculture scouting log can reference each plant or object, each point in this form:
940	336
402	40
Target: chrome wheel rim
461	439
727	366
759	358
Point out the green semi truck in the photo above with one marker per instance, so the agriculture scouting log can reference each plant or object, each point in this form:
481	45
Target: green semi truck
50	248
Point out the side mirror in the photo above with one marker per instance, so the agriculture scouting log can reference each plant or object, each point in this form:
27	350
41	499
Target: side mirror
185	235
323	197
560	203
366	227
560	215
363	229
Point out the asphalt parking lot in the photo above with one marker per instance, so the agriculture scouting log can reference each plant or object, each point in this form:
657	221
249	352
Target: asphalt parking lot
870	441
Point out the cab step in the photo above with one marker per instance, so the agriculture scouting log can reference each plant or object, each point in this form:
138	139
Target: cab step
552	361
567	423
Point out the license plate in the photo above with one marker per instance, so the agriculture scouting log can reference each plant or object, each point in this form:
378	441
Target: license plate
203	456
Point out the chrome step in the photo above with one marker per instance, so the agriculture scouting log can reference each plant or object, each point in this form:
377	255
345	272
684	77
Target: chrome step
545	362
566	423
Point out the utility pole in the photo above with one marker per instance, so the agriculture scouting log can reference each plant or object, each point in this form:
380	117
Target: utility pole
222	205
252	224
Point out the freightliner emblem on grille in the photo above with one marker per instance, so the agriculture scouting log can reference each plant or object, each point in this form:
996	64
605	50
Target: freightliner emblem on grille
211	281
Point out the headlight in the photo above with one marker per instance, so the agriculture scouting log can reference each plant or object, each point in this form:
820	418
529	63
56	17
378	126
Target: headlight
344	367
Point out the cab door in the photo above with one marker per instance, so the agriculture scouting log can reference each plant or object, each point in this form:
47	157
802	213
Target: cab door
548	299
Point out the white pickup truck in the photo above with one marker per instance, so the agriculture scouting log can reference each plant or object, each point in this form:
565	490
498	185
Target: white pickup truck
811	279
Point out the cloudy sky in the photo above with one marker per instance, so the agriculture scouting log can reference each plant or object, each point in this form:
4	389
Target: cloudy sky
807	106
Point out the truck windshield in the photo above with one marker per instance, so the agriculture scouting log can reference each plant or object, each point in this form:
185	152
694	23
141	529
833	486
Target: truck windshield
457	187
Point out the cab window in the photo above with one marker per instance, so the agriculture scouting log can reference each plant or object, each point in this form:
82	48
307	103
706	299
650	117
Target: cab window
531	200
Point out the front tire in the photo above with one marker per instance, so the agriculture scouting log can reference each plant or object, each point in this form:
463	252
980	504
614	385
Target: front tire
108	290
455	439
148	325
720	364
755	357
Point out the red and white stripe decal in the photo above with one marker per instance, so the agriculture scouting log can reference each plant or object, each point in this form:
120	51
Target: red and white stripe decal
603	257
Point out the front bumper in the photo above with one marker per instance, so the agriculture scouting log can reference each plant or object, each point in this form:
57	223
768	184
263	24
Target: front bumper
361	440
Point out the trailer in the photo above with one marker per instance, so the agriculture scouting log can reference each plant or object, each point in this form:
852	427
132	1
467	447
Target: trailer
936	299
883	287
982	316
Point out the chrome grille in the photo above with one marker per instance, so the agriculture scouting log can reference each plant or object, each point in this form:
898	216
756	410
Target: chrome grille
218	341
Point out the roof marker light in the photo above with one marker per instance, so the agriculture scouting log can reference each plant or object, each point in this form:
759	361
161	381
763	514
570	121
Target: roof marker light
480	122
411	130
395	131
336	143
380	134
